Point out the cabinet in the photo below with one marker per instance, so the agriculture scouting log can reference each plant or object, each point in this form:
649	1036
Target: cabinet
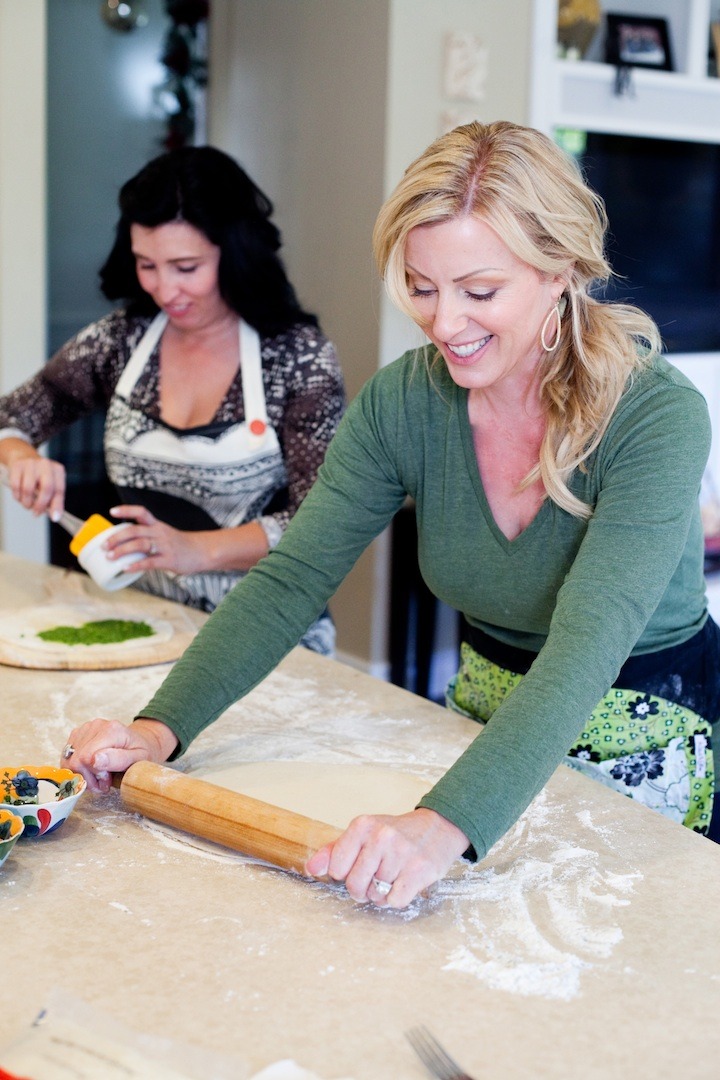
681	104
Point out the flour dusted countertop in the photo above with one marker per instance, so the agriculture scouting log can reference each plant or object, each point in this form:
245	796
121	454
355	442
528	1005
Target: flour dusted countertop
586	945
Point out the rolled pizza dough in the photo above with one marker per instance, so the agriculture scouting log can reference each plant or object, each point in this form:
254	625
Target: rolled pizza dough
20	645
22	627
333	793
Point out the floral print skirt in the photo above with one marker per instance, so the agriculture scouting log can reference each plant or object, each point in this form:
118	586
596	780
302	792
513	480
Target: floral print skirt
657	752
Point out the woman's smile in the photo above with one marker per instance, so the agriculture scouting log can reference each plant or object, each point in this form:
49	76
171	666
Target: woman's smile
464	353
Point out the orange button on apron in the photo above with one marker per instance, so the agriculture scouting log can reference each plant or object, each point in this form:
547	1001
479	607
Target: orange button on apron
257	427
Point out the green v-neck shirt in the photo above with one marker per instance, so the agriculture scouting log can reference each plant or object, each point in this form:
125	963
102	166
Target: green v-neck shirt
582	594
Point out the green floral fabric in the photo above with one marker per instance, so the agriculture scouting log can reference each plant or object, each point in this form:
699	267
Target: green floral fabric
644	746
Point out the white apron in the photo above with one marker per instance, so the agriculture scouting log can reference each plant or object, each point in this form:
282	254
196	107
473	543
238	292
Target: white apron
216	476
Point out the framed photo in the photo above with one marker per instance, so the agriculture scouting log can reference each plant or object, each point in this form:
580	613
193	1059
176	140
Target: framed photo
638	41
715	33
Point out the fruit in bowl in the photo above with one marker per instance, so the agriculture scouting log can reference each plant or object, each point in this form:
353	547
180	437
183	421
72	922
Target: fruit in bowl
11	829
43	796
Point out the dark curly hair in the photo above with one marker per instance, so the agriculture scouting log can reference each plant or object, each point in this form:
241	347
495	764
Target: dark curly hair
207	189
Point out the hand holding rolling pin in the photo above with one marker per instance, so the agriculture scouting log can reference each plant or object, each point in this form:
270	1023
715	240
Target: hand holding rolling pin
102	747
391	859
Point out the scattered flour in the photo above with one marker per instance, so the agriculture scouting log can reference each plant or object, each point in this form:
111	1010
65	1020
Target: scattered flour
181	843
531	919
542	914
120	907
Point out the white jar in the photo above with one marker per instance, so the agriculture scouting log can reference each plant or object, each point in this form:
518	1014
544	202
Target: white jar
110	574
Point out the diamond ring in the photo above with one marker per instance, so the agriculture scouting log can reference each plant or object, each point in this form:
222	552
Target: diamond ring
382	887
68	751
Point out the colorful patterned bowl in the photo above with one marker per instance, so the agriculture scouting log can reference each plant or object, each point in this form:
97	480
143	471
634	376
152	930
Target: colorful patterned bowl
11	829
43	797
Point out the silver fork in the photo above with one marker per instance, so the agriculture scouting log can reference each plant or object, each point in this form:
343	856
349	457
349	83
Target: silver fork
434	1057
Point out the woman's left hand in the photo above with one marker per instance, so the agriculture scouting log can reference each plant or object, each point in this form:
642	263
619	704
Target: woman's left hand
408	853
163	547
185	552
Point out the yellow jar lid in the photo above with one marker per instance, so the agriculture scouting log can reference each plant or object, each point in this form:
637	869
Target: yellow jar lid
94	525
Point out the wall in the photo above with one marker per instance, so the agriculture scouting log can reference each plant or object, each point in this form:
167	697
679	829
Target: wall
417	108
22	228
102	126
297	94
325	102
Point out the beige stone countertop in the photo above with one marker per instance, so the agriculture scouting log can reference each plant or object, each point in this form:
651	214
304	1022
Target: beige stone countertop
586	946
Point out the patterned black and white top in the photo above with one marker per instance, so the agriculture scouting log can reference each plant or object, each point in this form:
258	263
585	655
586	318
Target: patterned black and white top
302	380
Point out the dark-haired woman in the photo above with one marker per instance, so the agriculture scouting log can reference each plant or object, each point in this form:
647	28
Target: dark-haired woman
222	394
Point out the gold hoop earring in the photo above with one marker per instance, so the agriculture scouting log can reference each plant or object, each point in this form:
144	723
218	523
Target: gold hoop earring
558	328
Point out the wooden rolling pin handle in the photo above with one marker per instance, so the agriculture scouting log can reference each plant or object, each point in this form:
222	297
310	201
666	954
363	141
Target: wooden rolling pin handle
200	808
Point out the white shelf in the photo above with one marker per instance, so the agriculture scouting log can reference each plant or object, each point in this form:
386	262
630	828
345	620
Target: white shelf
658	104
683	104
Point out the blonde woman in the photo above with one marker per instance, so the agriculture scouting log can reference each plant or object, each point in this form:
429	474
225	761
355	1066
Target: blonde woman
555	460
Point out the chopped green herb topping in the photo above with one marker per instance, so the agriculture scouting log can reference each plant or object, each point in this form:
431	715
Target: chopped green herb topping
101	632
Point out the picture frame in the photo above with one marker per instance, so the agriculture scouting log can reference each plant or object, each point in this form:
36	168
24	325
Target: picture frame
715	36
638	41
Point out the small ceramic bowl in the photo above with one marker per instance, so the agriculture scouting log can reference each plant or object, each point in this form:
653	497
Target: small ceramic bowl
11	829
42	797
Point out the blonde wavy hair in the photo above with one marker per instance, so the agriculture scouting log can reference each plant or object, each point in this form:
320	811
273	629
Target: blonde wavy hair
533	195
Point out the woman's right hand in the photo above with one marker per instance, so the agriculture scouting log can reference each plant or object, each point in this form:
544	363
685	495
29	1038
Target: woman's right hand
38	483
102	747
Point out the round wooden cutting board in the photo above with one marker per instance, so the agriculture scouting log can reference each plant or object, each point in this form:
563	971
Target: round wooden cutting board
20	645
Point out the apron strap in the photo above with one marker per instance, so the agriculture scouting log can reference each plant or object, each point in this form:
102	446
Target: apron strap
141	354
252	383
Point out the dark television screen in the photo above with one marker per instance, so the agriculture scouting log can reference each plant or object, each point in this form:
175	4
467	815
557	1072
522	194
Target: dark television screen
663	204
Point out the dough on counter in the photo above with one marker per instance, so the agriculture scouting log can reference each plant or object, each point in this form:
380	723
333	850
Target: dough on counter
21	628
333	793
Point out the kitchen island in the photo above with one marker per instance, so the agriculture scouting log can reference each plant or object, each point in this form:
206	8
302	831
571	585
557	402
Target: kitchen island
586	945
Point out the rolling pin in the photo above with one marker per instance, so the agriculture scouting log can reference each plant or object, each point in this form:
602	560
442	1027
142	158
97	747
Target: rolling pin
200	808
